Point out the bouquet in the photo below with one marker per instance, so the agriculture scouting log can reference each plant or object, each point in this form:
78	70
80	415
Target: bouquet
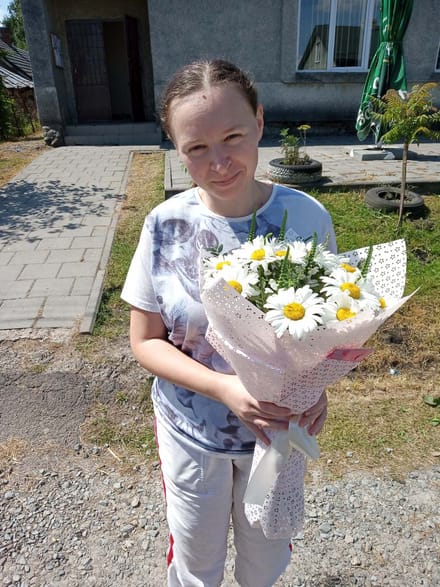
291	318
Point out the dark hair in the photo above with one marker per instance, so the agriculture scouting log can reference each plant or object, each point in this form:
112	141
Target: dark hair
204	74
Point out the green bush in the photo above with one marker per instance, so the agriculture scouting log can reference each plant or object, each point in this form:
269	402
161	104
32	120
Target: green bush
6	113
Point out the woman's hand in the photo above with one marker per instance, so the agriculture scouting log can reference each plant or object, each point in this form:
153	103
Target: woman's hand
313	419
258	416
148	337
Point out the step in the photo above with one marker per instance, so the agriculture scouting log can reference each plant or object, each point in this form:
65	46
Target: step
142	133
111	127
110	140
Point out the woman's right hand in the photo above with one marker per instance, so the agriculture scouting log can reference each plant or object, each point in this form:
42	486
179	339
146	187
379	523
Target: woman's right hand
258	416
148	337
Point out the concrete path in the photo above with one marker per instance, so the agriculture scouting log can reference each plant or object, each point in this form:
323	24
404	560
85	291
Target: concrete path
58	218
57	222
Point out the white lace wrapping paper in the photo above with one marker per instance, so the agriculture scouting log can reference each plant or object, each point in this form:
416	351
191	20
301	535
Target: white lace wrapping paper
293	373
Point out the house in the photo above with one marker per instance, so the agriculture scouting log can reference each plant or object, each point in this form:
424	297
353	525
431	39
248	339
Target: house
15	64
100	66
16	76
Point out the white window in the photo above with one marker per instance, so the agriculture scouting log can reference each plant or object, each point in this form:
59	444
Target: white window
343	33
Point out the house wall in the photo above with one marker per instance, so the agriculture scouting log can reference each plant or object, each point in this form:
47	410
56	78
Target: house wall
48	80
258	35
43	17
261	37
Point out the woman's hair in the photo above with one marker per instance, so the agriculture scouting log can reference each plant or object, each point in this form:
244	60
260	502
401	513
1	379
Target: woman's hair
204	74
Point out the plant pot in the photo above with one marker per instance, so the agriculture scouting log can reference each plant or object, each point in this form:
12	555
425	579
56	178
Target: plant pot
310	172
388	200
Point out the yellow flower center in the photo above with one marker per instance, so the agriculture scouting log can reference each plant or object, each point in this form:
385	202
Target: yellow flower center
294	311
236	285
258	254
382	303
352	289
280	253
344	314
221	264
348	268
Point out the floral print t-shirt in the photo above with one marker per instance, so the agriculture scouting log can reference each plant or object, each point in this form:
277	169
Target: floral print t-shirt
164	277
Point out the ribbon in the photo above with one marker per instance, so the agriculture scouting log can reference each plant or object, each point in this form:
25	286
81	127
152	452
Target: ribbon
275	457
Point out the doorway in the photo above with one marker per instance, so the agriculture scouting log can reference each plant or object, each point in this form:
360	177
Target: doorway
106	70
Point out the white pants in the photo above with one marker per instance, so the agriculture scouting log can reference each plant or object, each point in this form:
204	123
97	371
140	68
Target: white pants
203	489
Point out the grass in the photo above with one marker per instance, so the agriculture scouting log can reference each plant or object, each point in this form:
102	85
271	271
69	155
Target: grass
126	424
115	425
12	451
358	226
378	419
377	415
16	154
144	192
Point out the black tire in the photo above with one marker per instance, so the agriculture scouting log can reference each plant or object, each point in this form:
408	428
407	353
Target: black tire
312	167
294	174
388	199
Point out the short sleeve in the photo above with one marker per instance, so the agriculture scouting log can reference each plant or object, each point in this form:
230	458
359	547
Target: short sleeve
138	288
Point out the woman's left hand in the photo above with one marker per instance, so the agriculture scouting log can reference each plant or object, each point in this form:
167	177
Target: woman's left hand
313	419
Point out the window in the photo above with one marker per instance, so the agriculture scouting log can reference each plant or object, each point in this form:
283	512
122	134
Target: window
437	65
337	35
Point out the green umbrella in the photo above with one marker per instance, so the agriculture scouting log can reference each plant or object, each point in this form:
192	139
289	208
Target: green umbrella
387	68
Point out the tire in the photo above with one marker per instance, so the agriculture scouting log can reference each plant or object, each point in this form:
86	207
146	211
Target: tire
294	174
388	199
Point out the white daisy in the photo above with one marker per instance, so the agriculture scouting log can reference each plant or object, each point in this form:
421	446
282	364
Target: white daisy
325	258
256	252
217	263
340	307
298	252
386	300
279	248
212	266
297	310
344	264
353	284
240	279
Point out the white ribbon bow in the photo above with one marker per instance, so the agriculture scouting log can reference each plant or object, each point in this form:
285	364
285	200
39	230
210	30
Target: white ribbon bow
274	458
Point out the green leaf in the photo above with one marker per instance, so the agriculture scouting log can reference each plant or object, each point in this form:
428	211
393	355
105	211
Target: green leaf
430	400
253	228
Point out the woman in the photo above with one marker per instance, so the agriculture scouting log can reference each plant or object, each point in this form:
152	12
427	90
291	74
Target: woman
206	420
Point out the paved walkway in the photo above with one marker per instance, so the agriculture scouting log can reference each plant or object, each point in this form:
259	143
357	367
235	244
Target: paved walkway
58	218
57	222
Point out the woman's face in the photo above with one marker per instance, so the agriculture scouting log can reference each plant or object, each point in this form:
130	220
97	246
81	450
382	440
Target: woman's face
216	134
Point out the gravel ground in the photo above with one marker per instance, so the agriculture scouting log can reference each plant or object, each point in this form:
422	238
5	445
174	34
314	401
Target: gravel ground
72	515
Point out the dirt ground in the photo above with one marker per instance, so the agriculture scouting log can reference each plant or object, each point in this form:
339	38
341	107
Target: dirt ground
49	389
16	154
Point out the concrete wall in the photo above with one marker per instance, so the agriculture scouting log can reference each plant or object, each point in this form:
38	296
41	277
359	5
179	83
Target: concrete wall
261	37
48	81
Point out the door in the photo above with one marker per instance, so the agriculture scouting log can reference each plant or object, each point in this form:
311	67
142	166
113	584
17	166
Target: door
89	71
134	68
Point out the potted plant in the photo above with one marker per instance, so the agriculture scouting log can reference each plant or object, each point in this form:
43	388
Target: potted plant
407	117
295	166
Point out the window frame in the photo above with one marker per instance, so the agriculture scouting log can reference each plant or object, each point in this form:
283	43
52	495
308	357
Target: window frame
366	44
437	60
